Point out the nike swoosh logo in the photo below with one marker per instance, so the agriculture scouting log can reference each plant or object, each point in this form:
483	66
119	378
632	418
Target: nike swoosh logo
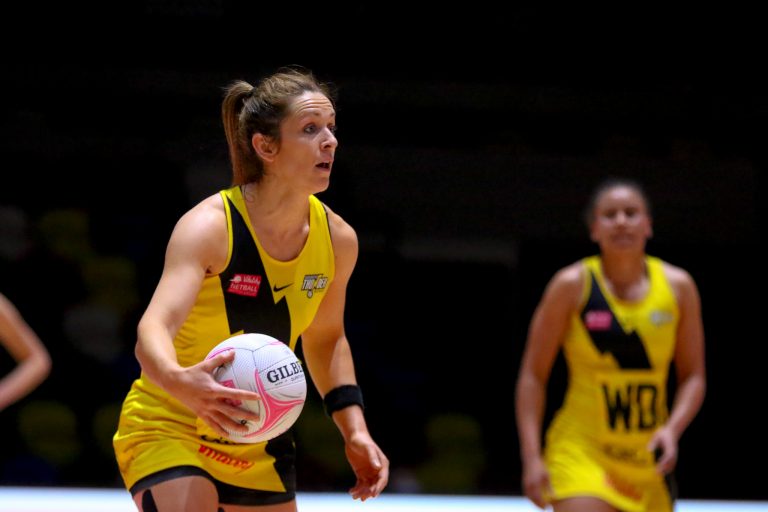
276	288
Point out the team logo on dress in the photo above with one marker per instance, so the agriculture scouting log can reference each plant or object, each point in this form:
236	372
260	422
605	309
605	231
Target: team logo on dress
244	284
660	317
598	320
313	282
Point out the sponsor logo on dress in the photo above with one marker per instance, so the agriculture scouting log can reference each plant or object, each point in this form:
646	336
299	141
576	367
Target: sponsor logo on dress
223	458
276	288
244	284
624	487
598	320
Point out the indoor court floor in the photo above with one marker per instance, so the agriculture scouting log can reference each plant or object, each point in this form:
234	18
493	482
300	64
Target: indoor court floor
34	499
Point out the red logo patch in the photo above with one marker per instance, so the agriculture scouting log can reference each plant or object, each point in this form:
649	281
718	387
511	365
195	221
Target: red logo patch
245	284
598	320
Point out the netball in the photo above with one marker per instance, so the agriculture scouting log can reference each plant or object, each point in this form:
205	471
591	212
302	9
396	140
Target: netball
269	367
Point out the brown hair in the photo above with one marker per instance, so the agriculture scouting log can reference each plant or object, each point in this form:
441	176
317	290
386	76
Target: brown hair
608	184
247	110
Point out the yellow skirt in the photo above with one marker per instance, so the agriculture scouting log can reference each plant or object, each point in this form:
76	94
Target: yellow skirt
577	469
155	434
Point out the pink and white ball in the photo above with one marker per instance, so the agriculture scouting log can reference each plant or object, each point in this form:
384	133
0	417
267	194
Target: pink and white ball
269	367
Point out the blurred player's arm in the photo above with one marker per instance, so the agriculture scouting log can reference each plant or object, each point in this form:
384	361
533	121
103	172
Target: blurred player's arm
545	333
689	370
32	358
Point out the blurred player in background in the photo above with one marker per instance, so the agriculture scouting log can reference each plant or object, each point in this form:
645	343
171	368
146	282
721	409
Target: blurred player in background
621	318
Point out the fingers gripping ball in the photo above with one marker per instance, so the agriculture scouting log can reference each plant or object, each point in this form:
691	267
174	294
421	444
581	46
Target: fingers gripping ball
269	367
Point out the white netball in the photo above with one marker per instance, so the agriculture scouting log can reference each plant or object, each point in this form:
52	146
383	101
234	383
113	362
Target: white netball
269	367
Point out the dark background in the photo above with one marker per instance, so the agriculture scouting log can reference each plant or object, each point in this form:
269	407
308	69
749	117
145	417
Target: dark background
469	141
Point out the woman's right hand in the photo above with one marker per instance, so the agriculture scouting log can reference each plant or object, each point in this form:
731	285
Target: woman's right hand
212	402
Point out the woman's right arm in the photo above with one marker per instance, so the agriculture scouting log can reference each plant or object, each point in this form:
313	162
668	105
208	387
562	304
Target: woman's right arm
548	325
198	245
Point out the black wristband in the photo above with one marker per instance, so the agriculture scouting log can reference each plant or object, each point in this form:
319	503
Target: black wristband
341	397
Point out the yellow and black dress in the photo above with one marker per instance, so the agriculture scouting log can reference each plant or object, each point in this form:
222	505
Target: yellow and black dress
618	355
157	435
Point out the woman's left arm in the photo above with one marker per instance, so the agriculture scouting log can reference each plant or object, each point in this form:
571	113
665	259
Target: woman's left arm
689	367
330	363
